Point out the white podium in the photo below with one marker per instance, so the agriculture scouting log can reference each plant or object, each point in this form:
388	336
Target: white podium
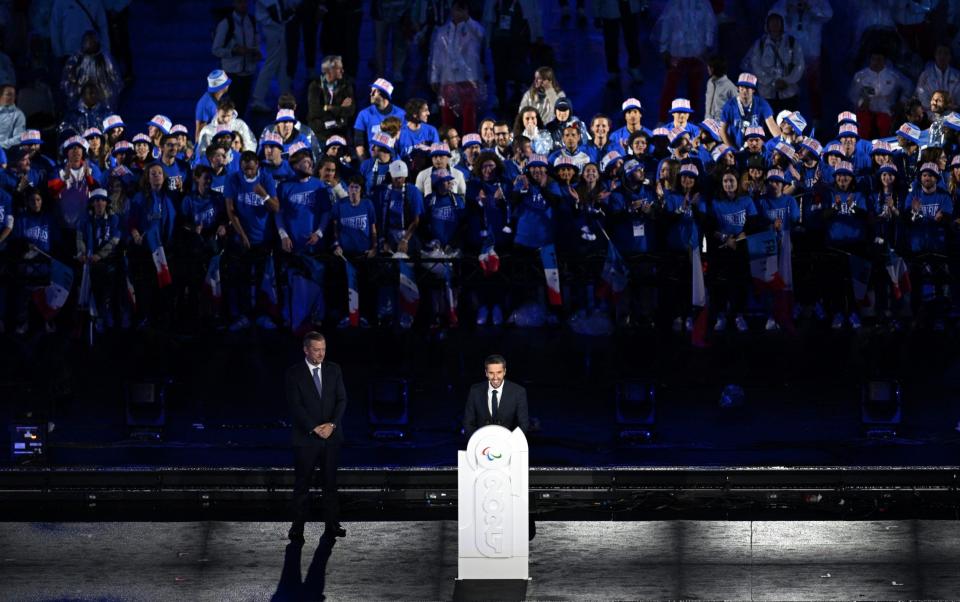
492	506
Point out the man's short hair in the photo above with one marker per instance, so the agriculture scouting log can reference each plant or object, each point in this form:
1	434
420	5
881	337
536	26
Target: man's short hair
248	156
312	336
226	104
287	101
496	358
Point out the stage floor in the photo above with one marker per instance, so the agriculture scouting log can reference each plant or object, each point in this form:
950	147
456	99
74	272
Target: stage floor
880	560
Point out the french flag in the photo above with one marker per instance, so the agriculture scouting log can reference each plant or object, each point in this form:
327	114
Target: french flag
51	298
268	288
211	282
353	294
614	274
451	297
699	299
899	276
764	263
489	261
860	278
131	292
409	291
548	254
159	258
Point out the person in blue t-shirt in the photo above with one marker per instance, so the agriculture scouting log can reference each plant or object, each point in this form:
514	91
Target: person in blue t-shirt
632	211
355	237
98	240
399	207
369	119
375	170
251	201
273	163
444	213
745	110
416	130
152	212
845	214
780	213
731	214
928	214
305	206
35	235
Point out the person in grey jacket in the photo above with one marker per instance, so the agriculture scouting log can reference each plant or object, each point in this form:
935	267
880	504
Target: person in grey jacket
12	120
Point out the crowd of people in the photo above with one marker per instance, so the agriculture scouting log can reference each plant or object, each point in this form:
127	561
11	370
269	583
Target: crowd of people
355	211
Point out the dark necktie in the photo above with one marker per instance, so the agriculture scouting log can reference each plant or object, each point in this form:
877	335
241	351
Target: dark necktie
317	382
493	404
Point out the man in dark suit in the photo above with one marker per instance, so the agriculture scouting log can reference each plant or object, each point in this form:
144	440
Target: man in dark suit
497	401
317	400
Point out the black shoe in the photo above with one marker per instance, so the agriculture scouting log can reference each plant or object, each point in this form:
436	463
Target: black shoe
335	530
531	530
295	534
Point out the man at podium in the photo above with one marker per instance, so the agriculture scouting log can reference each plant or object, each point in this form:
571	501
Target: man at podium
497	401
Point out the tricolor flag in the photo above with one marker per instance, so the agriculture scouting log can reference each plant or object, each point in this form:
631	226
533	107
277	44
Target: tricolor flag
159	258
353	294
764	263
448	293
860	279
306	294
899	275
51	298
489	261
267	292
211	282
131	292
698	336
409	291
614	275
548	254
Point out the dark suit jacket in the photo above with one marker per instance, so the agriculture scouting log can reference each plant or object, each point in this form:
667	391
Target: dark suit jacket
511	408
340	116
309	409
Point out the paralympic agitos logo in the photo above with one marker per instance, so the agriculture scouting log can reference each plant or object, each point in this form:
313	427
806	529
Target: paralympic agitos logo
491	455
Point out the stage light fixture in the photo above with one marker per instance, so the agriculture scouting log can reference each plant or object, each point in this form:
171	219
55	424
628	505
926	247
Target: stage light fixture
146	408
881	408
27	441
635	403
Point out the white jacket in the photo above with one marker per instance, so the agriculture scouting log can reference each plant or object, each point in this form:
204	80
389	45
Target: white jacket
933	79
889	86
771	60
719	91
12	124
806	26
456	53
425	181
685	29
236	124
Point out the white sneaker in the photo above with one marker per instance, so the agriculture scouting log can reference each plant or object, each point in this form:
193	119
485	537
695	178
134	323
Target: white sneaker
241	323
678	324
688	324
854	321
741	323
482	314
497	317
772	325
837	323
721	324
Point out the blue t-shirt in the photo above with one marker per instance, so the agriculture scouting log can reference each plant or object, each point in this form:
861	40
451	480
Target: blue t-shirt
355	225
683	233
100	230
280	173
206	211
485	223
206	108
375	174
444	216
620	137
39	229
924	233
250	208
368	120
731	215
179	171
783	207
425	134
398	207
153	211
304	209
738	120
845	225
535	216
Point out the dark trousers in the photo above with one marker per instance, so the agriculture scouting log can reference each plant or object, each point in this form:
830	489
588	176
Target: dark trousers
341	34
119	25
326	457
305	21
611	39
240	88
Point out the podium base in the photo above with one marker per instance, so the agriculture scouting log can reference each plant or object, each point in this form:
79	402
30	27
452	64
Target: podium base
469	590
